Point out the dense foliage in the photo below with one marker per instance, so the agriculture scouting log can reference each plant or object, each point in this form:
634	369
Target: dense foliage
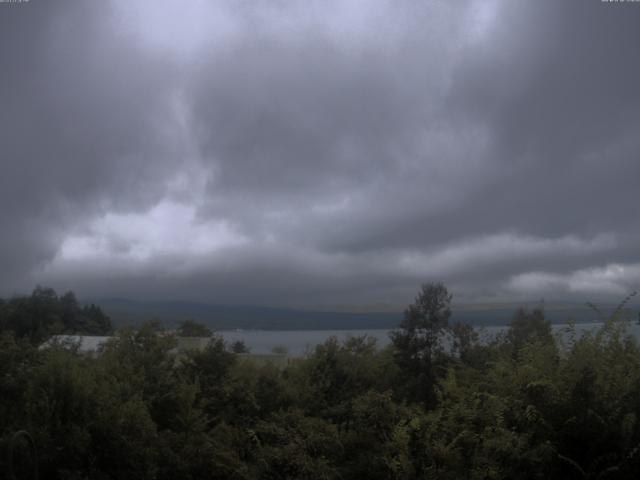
191	328
44	313
437	403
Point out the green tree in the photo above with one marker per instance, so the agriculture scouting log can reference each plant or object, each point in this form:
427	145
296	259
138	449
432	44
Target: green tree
338	372
527	327
210	370
191	328
17	360
374	444
295	446
43	313
418	339
239	347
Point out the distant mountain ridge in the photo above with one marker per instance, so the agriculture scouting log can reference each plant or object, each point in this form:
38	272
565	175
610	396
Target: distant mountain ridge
228	317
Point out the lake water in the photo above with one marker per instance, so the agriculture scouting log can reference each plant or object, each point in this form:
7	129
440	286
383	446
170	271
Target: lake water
299	342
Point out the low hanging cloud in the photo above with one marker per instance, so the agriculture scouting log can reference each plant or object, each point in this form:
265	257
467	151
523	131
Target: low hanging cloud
610	279
320	153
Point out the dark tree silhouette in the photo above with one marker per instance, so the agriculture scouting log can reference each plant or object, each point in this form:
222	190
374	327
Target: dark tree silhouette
418	340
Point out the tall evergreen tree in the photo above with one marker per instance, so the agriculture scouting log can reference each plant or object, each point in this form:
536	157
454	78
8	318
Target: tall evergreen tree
417	341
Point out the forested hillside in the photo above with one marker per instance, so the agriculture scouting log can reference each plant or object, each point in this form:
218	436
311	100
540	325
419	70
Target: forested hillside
526	405
44	313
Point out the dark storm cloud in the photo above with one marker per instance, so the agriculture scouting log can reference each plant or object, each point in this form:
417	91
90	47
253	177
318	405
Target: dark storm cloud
82	126
562	101
542	113
345	153
320	135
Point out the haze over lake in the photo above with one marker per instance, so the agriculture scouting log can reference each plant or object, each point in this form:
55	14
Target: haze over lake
300	342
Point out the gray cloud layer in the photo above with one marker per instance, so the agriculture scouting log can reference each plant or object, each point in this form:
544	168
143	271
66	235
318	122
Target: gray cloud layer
320	153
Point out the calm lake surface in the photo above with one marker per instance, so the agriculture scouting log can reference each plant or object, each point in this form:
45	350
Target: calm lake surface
299	342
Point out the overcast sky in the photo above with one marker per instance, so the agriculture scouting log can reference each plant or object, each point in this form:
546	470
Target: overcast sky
320	153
